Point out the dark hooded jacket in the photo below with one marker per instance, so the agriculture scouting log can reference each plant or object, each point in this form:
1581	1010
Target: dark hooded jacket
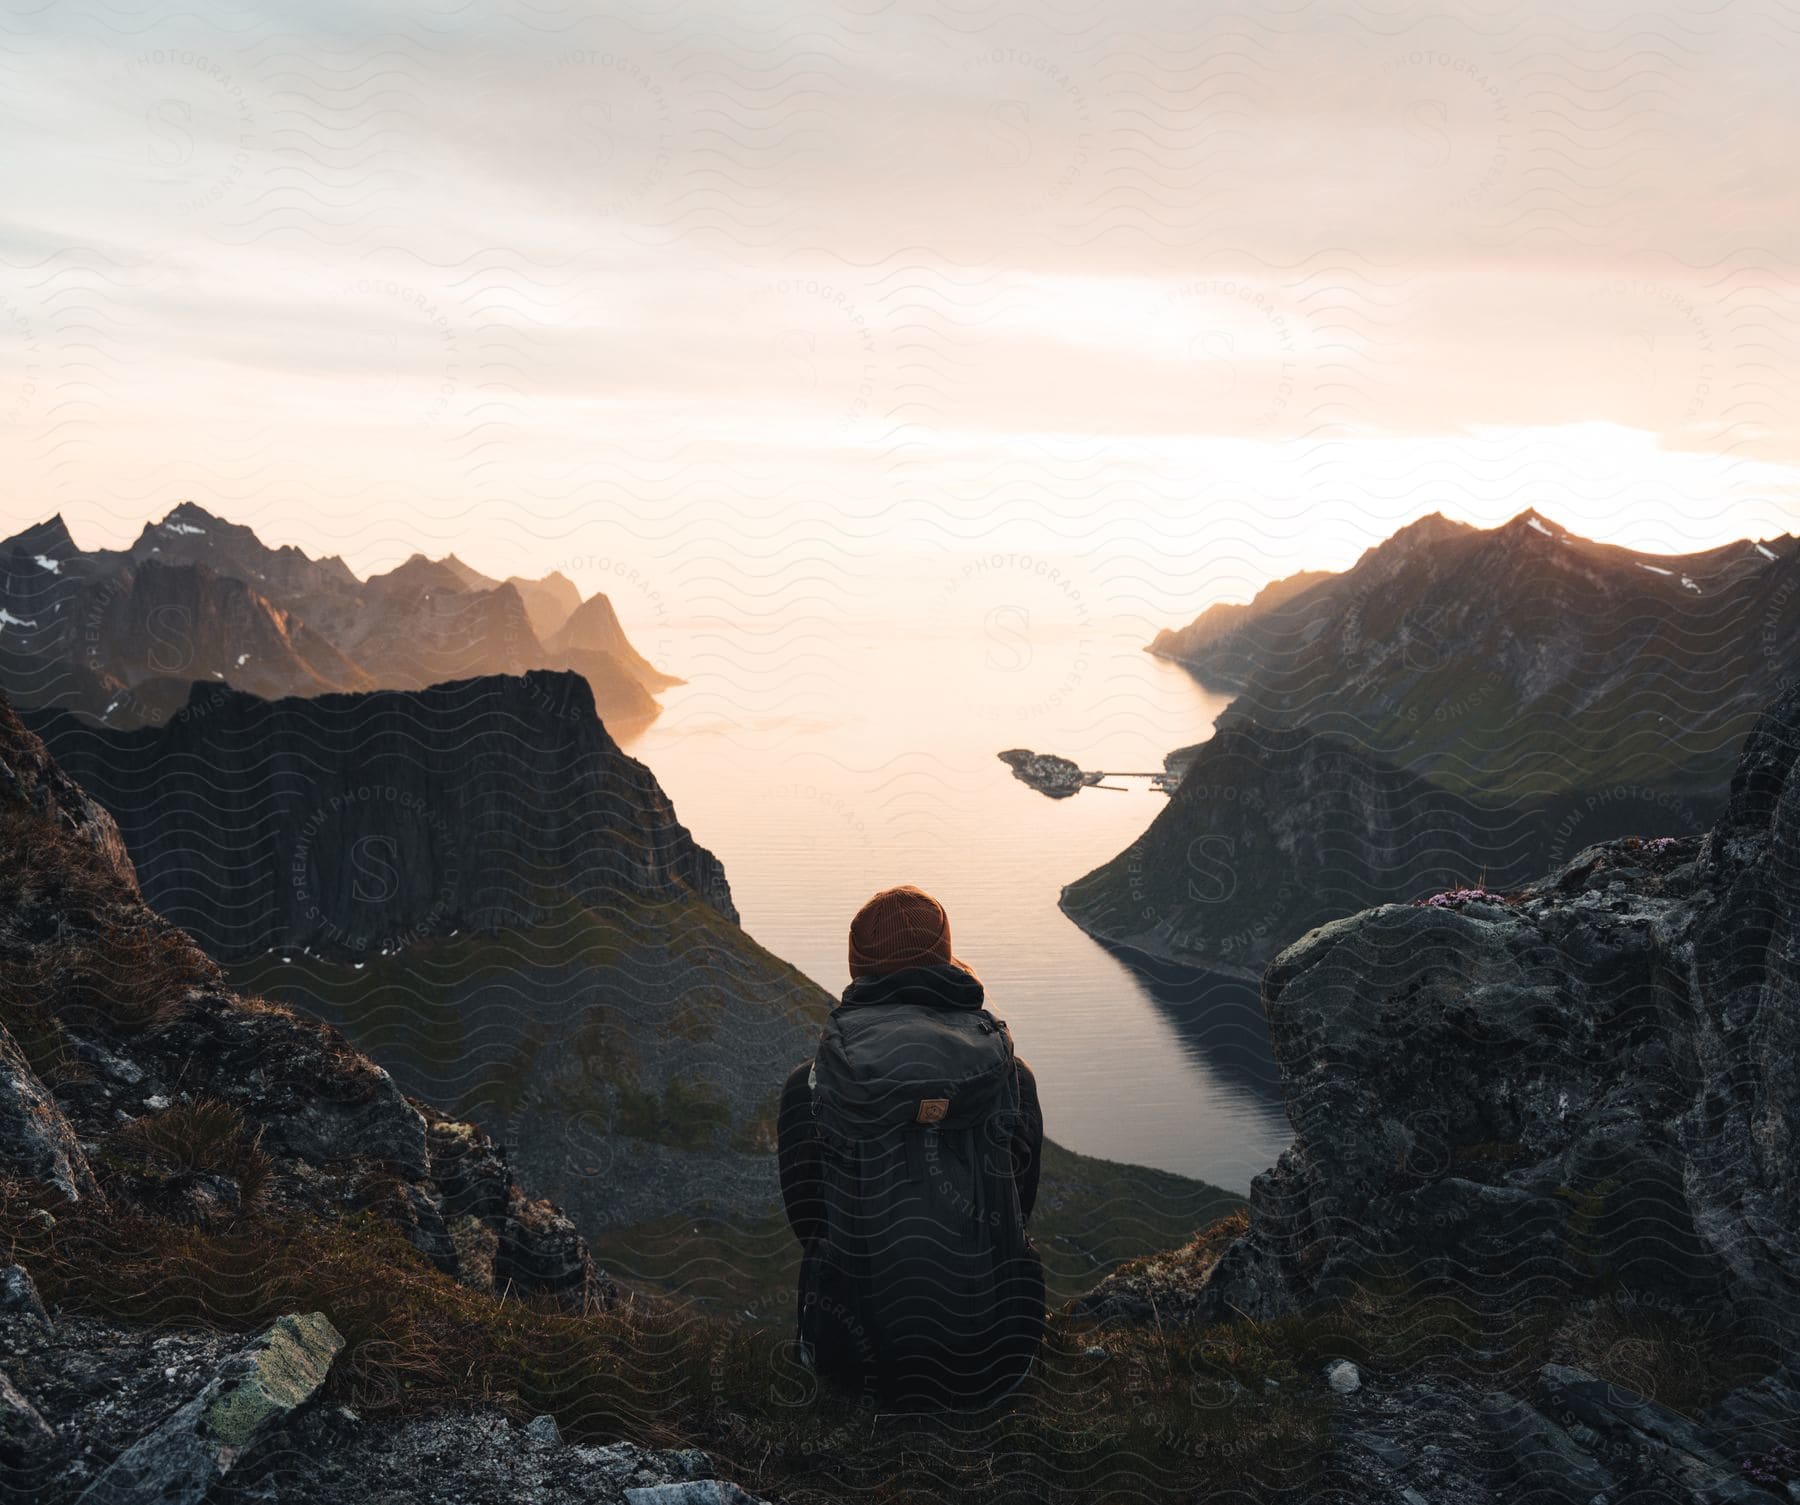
939	986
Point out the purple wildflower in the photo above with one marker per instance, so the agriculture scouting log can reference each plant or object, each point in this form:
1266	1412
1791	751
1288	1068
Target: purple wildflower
1453	897
1780	1465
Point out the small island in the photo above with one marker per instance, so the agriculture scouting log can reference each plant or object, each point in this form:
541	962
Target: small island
1047	773
1059	777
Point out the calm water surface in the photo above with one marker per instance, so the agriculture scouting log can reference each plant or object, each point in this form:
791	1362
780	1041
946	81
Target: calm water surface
829	765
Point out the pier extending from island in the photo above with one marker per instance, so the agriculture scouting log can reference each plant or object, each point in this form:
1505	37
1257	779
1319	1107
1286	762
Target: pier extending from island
1060	777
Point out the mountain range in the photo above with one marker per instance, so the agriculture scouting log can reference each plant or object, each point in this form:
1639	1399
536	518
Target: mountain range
118	635
1517	660
1462	707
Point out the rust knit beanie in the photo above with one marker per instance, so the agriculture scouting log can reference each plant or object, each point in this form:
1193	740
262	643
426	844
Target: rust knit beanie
900	927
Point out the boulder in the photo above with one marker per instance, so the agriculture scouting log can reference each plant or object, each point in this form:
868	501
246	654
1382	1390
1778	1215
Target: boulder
254	1392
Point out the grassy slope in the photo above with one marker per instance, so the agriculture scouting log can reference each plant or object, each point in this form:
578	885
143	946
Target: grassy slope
403	1011
1091	1215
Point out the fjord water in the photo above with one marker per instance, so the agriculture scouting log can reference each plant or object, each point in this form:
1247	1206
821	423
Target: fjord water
835	763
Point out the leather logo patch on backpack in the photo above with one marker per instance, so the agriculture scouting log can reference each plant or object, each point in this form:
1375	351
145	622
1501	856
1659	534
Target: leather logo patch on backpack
933	1110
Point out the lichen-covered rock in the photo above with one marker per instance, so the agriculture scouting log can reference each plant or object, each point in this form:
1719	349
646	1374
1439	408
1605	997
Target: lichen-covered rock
252	1395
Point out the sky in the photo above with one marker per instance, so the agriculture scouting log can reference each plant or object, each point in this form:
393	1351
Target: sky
750	311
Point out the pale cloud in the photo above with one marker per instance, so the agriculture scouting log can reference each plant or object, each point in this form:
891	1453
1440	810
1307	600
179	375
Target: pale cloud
482	278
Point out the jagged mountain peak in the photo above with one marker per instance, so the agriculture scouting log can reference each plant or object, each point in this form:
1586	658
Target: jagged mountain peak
1432	527
49	539
191	512
418	574
472	578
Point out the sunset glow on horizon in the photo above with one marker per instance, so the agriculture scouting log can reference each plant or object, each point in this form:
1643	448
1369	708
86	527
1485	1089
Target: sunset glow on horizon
837	295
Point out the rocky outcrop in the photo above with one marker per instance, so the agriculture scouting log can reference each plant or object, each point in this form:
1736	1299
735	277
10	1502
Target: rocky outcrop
1570	1438
118	1032
1579	1098
1591	1080
248	1418
354	826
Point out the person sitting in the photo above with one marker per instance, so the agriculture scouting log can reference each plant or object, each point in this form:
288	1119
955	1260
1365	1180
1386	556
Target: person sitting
909	1149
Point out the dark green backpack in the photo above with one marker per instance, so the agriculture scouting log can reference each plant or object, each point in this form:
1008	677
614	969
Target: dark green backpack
924	1290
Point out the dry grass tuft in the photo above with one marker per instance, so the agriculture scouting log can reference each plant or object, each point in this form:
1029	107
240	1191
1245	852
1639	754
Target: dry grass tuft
204	1138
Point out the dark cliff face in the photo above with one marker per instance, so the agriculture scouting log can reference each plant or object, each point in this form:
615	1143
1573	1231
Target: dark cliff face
122	1051
1519	661
117	635
1592	1083
350	825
